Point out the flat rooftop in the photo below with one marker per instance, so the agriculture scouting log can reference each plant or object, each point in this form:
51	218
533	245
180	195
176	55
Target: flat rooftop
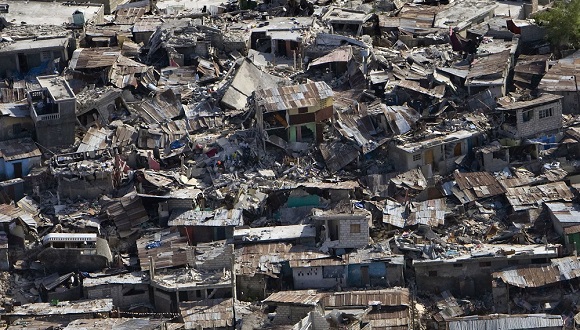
194	5
57	87
47	13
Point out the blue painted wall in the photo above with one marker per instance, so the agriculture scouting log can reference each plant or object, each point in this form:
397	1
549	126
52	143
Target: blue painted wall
7	168
380	274
377	274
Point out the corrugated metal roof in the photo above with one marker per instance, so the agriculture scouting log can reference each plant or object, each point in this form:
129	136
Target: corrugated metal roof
126	212
91	58
209	314
522	198
394	213
298	297
162	108
343	54
293	97
490	67
565	213
540	100
268	258
430	212
533	276
18	149
476	185
562	77
569	267
64	308
129	15
437	91
95	139
501	321
386	319
384	297
173	250
9	212
217	218
337	154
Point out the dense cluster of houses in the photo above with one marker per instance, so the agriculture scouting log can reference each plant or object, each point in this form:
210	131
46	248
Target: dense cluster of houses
284	164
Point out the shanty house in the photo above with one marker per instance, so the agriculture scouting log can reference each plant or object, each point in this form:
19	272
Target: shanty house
18	157
208	278
437	153
52	108
22	56
128	290
540	116
345	20
63	311
206	226
503	321
491	73
294	113
15	121
319	273
566	220
466	275
563	79
281	36
292	306
68	252
375	269
262	268
385	308
534	281
343	230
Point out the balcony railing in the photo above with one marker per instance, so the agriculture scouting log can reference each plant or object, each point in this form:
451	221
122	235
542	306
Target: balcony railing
49	116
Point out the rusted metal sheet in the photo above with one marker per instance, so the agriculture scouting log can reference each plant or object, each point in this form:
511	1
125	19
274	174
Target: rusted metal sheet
11	150
522	198
384	297
476	185
298	297
293	97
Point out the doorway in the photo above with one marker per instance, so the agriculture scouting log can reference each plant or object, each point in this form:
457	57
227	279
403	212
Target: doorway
18	170
364	272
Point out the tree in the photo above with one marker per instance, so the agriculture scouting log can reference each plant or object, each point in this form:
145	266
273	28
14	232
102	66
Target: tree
562	22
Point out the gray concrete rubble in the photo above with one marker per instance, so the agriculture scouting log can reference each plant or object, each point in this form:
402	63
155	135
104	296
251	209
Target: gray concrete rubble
283	164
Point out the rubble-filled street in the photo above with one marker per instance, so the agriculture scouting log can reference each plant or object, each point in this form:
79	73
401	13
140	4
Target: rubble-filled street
285	164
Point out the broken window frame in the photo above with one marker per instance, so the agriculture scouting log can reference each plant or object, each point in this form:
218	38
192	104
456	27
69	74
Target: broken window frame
545	113
355	228
527	115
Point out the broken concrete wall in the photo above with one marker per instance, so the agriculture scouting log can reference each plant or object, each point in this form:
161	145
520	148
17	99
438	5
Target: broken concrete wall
123	295
466	277
15	127
537	125
51	133
377	274
86	187
251	287
290	314
220	258
321	277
